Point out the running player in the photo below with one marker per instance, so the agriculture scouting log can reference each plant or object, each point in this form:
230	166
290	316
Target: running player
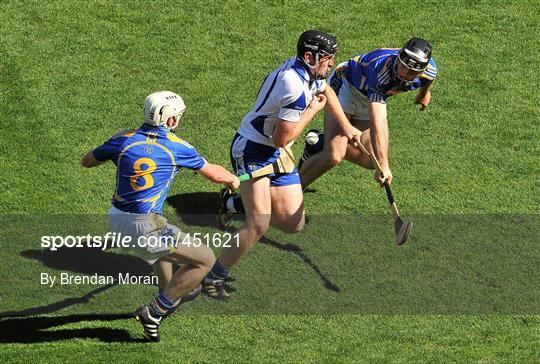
147	160
287	101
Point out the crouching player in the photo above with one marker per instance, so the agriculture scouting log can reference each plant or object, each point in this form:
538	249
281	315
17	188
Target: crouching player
363	85
147	160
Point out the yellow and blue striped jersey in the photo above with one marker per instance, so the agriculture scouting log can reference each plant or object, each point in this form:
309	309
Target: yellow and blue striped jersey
147	160
372	74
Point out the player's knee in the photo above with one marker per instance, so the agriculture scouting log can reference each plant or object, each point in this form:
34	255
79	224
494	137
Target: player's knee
360	160
293	228
258	229
332	159
290	225
335	160
205	257
366	163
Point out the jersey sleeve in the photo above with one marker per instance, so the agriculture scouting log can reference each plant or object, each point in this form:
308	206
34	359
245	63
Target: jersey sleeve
375	96
188	157
373	92
430	74
108	150
293	101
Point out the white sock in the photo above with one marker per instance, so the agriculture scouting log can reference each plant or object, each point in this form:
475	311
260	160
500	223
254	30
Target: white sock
177	303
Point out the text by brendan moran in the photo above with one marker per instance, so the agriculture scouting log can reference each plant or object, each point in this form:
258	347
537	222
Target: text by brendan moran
65	278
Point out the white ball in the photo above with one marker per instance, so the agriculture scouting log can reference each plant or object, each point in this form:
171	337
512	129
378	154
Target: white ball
312	138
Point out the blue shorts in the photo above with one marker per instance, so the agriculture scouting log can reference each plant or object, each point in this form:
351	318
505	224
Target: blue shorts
247	156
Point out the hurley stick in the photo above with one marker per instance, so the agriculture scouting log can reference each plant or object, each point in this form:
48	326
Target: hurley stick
283	164
403	229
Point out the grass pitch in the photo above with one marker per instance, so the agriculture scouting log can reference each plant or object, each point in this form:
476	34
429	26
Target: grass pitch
465	288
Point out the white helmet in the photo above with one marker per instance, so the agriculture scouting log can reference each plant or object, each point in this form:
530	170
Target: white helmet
160	106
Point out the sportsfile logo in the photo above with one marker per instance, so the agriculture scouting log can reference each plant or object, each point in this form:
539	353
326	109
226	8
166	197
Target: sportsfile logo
149	242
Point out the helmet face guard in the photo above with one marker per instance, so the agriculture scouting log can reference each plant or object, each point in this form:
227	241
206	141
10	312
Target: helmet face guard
320	45
174	112
414	57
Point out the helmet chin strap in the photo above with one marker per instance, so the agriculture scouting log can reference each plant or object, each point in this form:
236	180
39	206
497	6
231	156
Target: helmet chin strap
312	70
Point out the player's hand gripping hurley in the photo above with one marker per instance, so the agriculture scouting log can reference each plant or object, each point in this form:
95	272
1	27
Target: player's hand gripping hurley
403	229
283	164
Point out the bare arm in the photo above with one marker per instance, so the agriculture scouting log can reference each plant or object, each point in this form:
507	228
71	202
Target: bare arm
286	131
380	137
423	97
90	161
334	108
217	174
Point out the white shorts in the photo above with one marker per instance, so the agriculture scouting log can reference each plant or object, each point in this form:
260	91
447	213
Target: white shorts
353	101
141	227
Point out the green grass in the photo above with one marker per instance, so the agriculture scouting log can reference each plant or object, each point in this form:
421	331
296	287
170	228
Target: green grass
467	170
344	338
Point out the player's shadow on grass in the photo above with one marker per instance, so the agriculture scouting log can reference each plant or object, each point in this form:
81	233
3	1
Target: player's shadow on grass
17	327
82	261
200	209
90	261
57	306
30	330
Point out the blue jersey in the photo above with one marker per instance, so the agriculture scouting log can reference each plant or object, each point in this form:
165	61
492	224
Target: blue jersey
372	74
147	160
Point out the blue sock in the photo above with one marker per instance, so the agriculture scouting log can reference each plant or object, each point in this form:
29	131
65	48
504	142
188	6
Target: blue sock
218	272
160	305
